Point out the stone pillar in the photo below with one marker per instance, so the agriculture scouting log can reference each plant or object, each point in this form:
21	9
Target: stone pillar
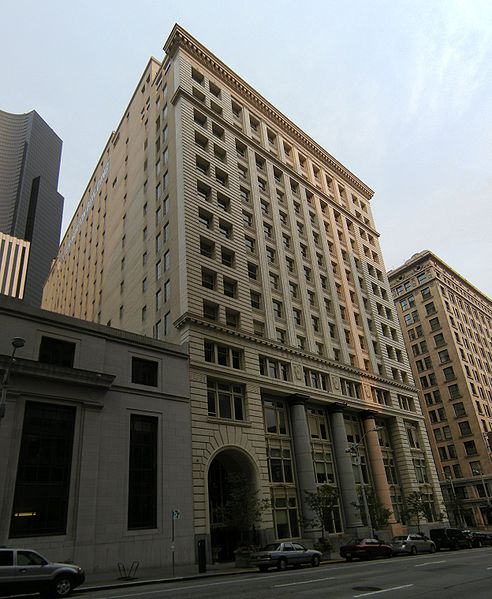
346	480
303	454
376	466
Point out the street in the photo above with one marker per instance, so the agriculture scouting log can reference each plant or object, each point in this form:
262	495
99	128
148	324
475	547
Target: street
446	575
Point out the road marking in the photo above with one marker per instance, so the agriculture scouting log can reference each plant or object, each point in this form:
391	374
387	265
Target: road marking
384	590
181	589
489	568
443	561
290	584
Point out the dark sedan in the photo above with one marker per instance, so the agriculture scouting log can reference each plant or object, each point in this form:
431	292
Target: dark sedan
281	555
365	549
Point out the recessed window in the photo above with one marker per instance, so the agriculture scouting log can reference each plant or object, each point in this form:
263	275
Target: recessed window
144	372
56	351
197	76
214	89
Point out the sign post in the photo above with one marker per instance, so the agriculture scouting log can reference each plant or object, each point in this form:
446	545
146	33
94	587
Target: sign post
175	515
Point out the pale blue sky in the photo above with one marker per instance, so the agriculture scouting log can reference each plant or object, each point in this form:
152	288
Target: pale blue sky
399	91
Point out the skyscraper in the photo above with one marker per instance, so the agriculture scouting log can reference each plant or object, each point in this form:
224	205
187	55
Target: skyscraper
447	325
213	220
30	205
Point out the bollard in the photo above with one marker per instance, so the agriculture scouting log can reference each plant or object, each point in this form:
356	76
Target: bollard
202	556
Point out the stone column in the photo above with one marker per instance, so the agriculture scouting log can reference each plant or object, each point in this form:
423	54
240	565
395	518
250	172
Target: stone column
303	454
345	472
376	466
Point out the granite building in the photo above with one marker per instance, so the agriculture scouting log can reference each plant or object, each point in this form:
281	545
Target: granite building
211	219
95	451
447	324
30	205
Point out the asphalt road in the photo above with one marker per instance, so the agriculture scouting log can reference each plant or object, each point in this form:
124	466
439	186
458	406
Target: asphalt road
444	575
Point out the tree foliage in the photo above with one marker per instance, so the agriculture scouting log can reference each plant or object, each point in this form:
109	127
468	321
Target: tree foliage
323	503
243	507
380	514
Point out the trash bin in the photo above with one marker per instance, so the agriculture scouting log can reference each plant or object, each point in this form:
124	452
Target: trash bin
202	556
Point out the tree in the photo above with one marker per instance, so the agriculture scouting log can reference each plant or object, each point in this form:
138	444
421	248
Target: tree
379	513
324	503
243	507
418	508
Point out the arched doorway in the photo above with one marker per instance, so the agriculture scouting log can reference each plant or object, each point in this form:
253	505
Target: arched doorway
224	540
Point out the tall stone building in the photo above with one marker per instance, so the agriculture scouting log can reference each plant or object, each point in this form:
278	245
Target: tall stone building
213	220
447	324
30	206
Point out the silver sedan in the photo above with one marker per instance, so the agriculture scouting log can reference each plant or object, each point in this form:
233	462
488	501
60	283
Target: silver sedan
412	544
280	555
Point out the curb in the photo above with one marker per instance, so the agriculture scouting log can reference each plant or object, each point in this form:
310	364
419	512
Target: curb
138	583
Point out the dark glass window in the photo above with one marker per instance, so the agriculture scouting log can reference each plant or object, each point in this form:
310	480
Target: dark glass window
56	351
144	372
142	485
43	472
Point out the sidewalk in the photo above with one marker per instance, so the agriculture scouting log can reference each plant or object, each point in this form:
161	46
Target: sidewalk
164	574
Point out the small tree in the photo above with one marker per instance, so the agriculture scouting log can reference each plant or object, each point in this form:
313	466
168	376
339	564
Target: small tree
243	507
417	507
380	514
324	503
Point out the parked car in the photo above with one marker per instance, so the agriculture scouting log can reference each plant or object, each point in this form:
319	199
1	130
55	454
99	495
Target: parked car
365	549
449	538
27	571
280	555
413	544
478	538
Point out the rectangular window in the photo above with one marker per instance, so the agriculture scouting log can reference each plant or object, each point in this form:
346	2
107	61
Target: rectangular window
44	469
142	475
144	372
56	351
225	400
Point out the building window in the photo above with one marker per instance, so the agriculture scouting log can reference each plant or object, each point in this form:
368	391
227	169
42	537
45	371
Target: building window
350	388
285	513
144	372
56	351
223	355
275	417
142	472
274	368
44	469
225	400
317	380
280	464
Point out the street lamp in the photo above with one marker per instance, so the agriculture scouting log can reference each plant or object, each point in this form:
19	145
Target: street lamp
17	342
485	490
354	450
456	504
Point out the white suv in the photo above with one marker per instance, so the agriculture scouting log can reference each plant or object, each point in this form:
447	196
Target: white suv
26	571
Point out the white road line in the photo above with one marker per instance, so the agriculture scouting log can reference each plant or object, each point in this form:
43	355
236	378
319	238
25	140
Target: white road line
291	584
443	561
489	568
180	589
384	590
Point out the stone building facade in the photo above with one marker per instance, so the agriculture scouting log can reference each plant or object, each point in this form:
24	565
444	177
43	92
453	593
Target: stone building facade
212	220
95	444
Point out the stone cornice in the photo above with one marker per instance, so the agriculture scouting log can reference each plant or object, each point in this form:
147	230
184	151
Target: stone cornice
179	38
360	375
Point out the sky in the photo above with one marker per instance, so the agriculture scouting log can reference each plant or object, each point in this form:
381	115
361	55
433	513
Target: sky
398	91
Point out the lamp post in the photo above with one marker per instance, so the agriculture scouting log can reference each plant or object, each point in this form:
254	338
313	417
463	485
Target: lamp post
485	490
354	450
456	504
17	342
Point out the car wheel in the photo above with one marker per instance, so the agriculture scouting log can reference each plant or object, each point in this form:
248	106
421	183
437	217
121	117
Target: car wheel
282	564
432	549
479	544
349	558
62	586
413	550
315	561
262	568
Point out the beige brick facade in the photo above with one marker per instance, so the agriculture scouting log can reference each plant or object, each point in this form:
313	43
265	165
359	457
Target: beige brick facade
447	326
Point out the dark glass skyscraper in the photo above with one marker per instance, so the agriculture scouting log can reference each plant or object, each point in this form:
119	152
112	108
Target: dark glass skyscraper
30	205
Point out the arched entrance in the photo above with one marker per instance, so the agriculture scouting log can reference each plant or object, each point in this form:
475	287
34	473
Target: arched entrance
224	539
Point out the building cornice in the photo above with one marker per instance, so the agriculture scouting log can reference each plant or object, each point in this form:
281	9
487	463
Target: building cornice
330	366
179	38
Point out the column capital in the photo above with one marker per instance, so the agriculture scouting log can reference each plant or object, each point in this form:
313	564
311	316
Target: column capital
337	406
298	399
367	414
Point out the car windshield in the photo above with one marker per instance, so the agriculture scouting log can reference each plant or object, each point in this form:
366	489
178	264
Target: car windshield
271	547
399	538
